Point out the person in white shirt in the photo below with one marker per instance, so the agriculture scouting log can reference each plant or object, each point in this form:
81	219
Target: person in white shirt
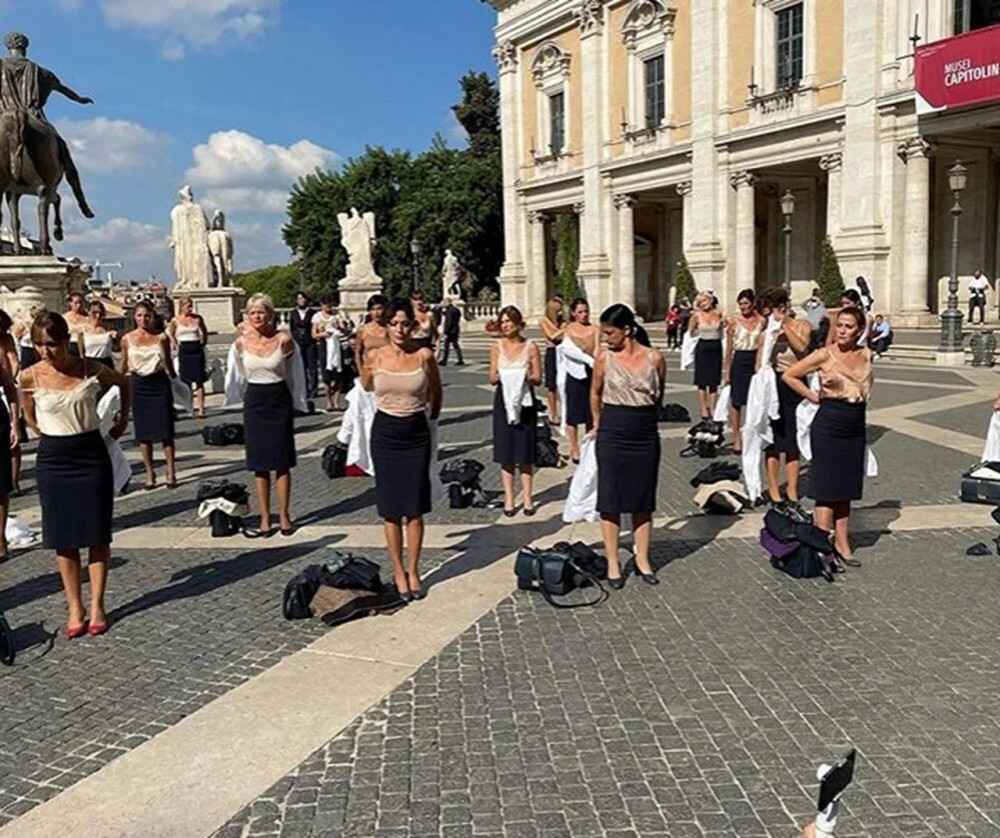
978	286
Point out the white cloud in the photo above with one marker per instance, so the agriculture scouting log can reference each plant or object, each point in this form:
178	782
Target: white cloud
173	51
142	248
241	171
110	145
198	23
67	5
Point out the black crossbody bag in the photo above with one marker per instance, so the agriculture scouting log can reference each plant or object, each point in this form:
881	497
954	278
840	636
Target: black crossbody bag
556	573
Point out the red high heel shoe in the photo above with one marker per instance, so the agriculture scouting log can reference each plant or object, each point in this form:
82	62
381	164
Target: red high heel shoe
95	629
77	631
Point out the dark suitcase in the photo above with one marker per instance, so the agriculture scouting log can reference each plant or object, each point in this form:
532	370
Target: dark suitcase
980	487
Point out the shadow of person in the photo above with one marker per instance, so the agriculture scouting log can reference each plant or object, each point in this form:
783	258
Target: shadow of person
203	578
26	637
878	518
354	503
680	537
40	587
874	433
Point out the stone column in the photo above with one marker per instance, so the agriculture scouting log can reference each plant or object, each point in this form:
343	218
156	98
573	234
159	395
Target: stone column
744	183
832	164
625	263
915	152
594	271
513	274
538	275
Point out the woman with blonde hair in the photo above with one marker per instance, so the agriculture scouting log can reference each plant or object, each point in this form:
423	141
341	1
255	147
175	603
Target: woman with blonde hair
554	329
188	335
707	324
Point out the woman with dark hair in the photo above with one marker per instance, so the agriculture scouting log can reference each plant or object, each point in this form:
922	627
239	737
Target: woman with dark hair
10	426
707	324
789	344
837	471
625	399
407	386
76	319
553	329
515	370
188	336
580	340
146	360
425	330
673	323
848	300
22	333
744	330
75	481
328	337
98	342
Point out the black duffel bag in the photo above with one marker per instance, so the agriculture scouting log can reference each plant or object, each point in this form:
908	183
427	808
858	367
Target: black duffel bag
804	563
555	573
463	472
230	433
299	593
344	570
334	460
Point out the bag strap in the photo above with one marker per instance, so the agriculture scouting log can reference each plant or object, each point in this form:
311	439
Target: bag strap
536	567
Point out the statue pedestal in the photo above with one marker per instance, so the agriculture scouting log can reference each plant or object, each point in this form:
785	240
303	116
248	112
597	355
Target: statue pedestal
220	307
354	296
26	280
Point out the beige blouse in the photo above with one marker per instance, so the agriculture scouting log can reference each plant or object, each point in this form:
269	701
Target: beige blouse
744	339
837	381
145	359
68	412
626	388
402	393
264	369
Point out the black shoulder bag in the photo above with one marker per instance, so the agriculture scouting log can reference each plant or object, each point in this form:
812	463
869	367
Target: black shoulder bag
555	573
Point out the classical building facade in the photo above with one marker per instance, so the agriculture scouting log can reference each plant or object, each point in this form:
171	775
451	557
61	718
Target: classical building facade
673	128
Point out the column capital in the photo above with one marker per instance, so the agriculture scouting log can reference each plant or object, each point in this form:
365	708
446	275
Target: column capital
914	147
590	17
624	201
684	188
579	208
538	216
739	180
505	54
832	162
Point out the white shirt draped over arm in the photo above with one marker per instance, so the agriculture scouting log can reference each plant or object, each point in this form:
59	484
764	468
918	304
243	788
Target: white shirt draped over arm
762	406
514	391
571	361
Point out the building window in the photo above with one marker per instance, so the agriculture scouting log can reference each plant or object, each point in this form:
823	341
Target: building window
557	123
975	14
656	100
790	41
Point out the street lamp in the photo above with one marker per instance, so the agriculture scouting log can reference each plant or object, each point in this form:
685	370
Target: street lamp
951	317
415	251
787	210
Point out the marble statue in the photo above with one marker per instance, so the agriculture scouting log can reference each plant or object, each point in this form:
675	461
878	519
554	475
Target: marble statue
357	234
189	239
220	247
451	276
33	157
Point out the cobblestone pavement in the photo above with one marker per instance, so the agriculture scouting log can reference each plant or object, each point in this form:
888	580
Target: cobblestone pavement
700	707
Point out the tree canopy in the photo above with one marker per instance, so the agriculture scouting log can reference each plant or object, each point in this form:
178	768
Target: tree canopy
279	282
443	198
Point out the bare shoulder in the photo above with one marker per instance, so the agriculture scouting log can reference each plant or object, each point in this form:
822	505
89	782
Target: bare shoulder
285	340
656	358
425	355
27	379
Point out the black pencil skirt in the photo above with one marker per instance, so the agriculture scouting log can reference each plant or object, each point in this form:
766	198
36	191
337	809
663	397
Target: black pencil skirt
269	427
785	428
628	459
577	405
740	374
191	362
76	489
514	444
152	407
707	364
551	370
401	454
837	470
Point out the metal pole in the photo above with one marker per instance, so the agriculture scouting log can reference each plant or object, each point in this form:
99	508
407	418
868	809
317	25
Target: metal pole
951	318
415	269
788	252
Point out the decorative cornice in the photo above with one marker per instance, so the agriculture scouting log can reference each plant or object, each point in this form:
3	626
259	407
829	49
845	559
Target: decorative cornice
740	179
684	188
538	217
647	15
590	17
579	207
831	162
505	54
914	147
624	201
550	59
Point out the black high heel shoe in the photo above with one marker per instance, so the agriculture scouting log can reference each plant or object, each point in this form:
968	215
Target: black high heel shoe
648	578
616	584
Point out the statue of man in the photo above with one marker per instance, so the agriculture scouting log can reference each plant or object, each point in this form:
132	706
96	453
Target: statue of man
189	239
24	89
357	234
220	246
451	276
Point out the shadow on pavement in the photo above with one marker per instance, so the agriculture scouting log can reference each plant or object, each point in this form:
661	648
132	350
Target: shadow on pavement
42	586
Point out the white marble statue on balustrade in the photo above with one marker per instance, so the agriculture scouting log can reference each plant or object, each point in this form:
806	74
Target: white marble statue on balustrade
357	235
451	276
220	246
189	239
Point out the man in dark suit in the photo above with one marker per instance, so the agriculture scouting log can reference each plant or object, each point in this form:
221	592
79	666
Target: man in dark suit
301	327
451	318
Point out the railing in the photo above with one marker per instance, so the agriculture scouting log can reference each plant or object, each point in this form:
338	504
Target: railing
482	311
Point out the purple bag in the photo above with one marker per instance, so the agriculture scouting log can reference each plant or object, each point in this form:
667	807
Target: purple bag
778	549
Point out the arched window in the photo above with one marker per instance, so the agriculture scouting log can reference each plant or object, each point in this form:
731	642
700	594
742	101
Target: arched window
550	72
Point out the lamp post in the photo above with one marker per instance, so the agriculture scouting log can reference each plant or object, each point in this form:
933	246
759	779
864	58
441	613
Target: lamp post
415	252
787	210
951	317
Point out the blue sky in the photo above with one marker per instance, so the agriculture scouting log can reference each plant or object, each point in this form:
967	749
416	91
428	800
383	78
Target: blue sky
237	98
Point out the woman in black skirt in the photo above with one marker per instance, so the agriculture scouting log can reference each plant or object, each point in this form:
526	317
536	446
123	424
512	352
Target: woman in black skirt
10	424
76	319
553	325
407	387
789	344
837	471
268	412
625	398
579	376
706	323
9	350
146	360
744	332
515	370
98	342
75	482
188	335
22	334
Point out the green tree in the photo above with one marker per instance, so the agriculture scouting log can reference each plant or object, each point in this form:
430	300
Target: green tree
279	282
830	280
479	113
566	235
684	281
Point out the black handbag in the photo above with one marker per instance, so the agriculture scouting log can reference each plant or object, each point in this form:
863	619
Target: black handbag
230	433
299	593
224	525
804	563
555	573
334	460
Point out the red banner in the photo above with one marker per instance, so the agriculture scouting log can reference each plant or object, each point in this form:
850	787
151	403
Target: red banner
959	71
